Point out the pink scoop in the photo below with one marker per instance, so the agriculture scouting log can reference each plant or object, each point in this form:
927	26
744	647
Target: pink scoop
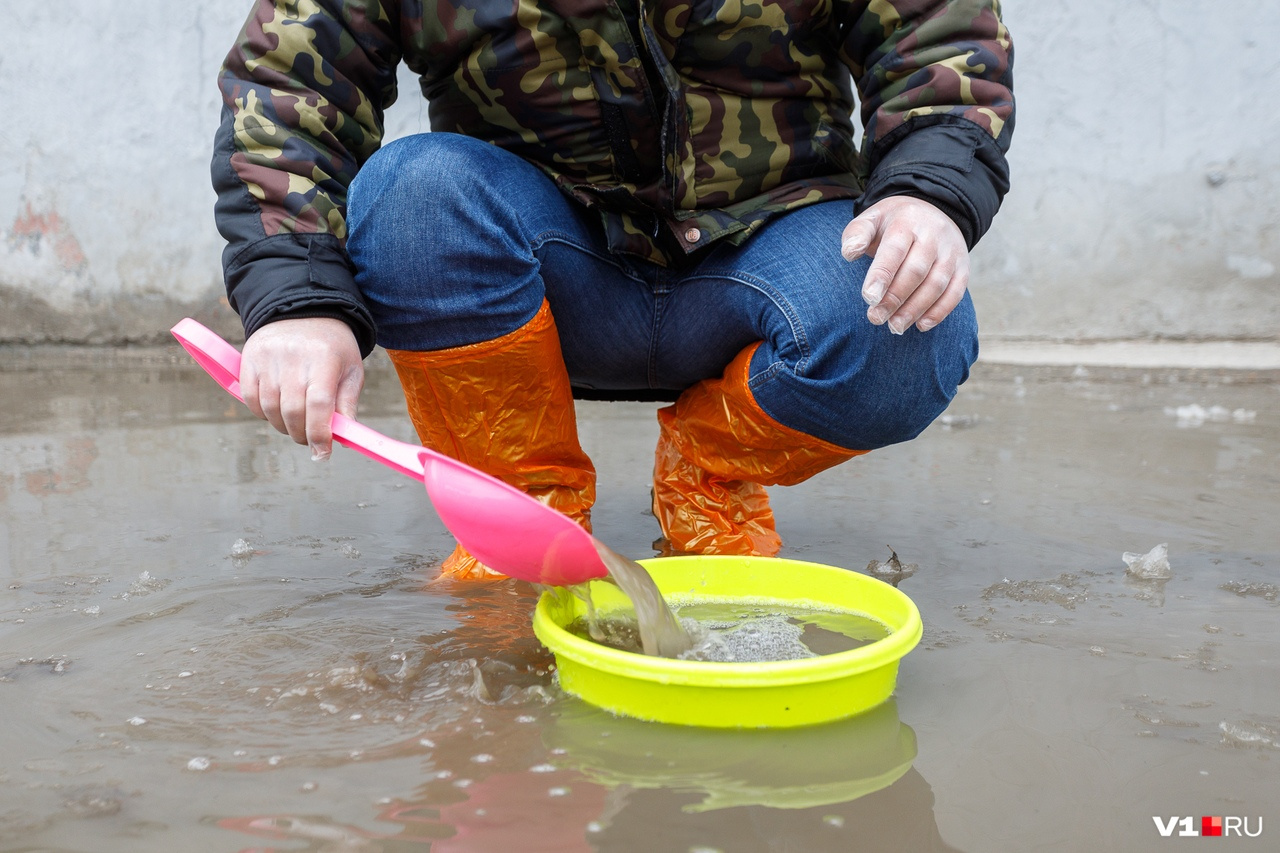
503	527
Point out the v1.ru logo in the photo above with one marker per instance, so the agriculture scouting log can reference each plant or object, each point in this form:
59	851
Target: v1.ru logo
1209	826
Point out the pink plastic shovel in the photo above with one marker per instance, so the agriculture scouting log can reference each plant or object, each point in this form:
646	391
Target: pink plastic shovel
503	527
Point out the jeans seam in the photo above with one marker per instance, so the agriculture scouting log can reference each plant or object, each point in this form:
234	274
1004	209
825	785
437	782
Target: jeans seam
793	322
564	238
661	291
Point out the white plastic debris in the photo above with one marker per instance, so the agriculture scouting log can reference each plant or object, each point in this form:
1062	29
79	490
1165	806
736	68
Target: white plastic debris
1151	566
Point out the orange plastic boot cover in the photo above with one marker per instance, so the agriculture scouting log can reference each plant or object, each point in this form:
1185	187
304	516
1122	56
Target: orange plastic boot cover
717	449
505	407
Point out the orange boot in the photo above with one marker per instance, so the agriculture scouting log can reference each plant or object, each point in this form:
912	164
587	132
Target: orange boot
503	406
717	450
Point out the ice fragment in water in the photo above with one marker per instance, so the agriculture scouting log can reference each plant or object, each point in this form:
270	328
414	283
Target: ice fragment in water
958	421
146	584
199	763
1248	734
1151	566
1195	415
241	550
1269	591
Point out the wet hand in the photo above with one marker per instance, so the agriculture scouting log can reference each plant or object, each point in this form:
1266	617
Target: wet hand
920	269
295	373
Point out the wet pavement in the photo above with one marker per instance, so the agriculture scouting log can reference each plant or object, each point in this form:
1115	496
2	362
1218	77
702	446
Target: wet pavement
210	643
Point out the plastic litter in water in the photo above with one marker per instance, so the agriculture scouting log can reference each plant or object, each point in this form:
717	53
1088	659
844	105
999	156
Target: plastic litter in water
1151	566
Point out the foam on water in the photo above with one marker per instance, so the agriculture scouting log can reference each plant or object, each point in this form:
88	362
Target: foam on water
767	637
744	631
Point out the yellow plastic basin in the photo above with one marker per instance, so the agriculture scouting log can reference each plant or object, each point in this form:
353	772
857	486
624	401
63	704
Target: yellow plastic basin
736	695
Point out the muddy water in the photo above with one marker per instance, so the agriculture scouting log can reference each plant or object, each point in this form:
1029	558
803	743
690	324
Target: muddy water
209	643
660	632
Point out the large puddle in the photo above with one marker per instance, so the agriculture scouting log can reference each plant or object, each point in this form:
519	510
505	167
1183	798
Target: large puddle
210	643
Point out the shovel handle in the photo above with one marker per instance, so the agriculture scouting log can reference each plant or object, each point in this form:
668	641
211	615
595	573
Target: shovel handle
222	361
219	359
409	459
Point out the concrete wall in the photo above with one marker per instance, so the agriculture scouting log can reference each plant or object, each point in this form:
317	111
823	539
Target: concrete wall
1145	171
1146	197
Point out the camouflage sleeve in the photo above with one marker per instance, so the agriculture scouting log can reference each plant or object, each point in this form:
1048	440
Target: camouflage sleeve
935	82
304	91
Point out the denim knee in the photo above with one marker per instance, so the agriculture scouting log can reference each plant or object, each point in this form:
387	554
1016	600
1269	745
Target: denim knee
439	251
881	389
439	166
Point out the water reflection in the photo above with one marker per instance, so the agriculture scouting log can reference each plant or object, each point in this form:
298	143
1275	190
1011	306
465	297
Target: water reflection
581	779
897	818
781	768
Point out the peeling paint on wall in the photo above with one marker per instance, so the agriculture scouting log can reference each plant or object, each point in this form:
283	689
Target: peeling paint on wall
39	232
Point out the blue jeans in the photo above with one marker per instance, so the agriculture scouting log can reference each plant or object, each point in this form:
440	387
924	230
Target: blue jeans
456	241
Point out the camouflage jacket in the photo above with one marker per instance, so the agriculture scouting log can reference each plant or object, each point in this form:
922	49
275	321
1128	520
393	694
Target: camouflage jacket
664	115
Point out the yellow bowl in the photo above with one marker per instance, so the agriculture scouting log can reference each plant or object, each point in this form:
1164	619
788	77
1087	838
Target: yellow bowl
736	695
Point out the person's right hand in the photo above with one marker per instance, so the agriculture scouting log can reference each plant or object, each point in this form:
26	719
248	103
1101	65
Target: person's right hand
296	373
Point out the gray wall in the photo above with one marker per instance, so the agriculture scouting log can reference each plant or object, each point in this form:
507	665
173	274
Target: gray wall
1145	171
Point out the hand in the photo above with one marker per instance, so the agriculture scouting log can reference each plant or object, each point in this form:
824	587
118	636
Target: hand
296	373
921	266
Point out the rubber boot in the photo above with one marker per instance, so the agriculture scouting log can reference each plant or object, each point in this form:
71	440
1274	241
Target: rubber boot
717	450
505	407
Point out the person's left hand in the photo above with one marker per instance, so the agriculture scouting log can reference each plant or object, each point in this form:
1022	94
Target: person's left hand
921	264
